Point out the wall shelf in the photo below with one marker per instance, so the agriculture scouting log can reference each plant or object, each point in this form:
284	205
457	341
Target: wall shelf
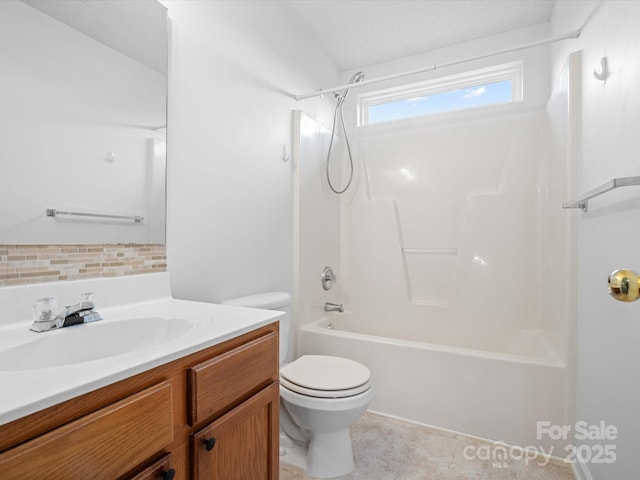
582	202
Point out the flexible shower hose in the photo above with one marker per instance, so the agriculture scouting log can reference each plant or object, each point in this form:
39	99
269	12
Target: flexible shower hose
339	107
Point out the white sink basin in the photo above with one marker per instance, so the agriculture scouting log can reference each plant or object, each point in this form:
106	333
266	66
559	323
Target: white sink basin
92	341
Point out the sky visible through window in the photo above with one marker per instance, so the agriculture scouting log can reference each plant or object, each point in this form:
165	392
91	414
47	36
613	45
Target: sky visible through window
478	95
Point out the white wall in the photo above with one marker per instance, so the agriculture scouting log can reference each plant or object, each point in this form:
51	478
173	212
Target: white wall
608	357
233	68
67	101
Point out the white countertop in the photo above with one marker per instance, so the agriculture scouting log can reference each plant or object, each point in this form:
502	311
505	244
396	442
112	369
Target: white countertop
25	391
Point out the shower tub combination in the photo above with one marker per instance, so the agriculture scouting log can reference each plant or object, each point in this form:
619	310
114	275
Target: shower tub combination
454	259
499	395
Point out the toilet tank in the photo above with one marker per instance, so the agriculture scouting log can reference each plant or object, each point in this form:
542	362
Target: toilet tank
272	301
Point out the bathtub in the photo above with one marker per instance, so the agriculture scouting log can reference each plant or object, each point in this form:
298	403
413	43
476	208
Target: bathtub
498	395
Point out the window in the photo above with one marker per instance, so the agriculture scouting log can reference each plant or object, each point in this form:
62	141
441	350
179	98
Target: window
501	84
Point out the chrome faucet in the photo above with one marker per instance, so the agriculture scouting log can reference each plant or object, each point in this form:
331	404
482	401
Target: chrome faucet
82	312
333	307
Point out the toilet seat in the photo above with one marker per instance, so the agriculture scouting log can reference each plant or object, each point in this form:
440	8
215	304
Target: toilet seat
325	376
324	393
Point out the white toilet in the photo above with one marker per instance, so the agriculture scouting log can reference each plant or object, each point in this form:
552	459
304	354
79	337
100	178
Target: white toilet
321	396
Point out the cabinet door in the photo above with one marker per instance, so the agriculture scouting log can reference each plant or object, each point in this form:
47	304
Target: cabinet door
241	445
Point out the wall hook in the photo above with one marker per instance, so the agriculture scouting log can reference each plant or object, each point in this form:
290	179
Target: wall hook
285	154
604	73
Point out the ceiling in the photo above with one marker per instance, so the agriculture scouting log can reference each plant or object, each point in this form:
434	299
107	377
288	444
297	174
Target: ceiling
137	29
356	33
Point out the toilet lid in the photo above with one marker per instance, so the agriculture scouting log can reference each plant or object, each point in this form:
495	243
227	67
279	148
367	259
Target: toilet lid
325	376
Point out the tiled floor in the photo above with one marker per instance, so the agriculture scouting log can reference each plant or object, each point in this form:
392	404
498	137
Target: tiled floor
389	449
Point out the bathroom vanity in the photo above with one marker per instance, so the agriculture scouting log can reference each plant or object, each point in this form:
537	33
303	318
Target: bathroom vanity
201	405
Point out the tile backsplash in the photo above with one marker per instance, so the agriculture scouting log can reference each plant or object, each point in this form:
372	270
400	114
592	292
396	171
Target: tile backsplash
22	264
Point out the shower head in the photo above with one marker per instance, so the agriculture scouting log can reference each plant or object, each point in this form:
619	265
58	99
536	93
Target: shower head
356	78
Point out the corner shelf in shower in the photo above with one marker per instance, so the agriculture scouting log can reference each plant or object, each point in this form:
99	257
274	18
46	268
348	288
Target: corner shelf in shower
582	202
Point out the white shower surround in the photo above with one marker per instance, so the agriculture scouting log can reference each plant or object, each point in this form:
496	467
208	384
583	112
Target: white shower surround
468	326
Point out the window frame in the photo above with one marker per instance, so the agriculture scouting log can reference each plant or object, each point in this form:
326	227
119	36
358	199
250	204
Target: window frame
472	79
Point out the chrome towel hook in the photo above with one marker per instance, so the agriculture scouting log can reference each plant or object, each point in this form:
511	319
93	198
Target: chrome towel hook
603	73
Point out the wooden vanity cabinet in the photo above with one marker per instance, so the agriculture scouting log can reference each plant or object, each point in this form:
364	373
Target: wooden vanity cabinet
158	425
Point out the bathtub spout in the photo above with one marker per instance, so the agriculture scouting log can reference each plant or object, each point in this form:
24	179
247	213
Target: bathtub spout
333	307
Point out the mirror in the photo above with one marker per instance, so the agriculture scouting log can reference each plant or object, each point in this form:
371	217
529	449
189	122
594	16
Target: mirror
82	121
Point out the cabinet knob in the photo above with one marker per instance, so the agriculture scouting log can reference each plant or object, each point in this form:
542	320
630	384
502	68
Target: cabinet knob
210	443
168	475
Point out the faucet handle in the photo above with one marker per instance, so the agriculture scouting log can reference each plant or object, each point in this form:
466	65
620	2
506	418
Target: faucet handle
45	309
328	278
88	297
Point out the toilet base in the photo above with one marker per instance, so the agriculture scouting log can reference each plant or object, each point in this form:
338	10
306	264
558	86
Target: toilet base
330	454
295	456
